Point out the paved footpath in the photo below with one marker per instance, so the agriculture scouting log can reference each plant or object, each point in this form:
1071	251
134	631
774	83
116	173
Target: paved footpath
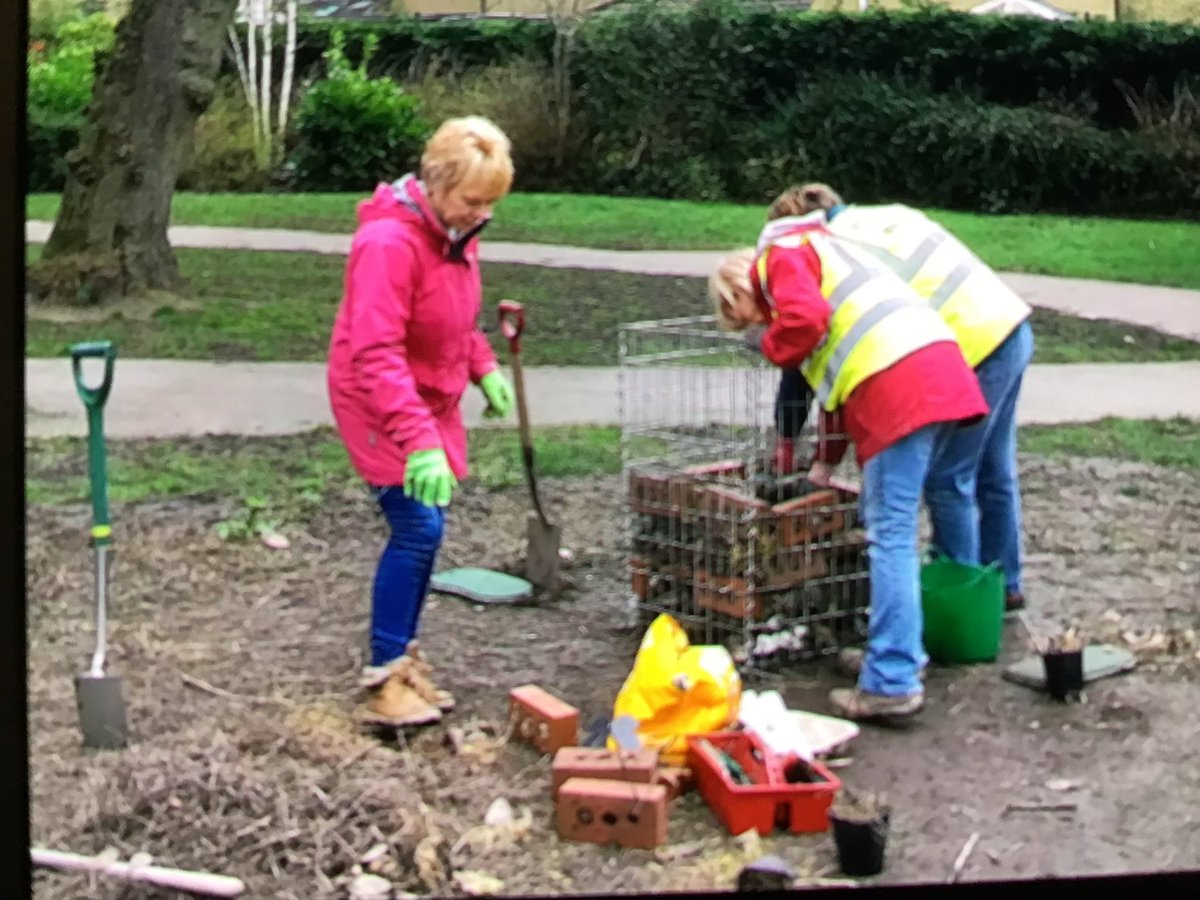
1169	310
160	398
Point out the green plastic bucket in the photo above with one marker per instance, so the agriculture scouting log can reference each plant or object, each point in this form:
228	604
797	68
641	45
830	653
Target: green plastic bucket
964	611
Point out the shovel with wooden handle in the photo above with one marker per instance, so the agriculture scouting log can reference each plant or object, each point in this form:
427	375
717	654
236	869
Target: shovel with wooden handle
541	557
101	706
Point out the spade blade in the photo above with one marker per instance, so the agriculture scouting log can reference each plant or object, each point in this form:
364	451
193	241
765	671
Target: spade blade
101	711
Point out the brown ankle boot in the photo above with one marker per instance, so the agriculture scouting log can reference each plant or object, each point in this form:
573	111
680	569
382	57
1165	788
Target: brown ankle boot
393	701
419	677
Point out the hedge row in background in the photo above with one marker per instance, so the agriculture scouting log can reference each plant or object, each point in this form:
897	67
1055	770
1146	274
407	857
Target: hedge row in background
933	107
1014	61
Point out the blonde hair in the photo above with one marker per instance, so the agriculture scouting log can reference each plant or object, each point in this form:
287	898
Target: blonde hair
731	275
803	199
470	148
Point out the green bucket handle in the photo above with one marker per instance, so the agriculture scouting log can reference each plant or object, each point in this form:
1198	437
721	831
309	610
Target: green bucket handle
933	555
93	400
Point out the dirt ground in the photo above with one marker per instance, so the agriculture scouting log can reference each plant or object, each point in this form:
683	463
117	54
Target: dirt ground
240	664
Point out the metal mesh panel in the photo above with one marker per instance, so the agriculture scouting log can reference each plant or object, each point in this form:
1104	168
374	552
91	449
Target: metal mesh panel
772	567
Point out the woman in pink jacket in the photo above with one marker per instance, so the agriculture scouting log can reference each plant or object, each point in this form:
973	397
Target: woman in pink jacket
405	344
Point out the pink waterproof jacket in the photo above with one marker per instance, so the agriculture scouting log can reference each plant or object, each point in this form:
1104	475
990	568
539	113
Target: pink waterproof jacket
406	340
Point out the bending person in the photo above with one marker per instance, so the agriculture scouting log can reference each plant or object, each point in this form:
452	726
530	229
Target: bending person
887	371
973	494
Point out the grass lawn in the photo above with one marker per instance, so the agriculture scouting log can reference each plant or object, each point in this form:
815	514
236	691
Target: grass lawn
279	306
285	478
1145	252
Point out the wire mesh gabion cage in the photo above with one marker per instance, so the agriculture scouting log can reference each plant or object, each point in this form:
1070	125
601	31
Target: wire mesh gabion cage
770	566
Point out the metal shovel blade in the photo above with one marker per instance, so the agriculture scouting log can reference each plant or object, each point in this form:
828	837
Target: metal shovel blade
101	711
541	558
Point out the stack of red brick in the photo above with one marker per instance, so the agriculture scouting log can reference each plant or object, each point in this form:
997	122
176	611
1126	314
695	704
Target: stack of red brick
714	509
600	796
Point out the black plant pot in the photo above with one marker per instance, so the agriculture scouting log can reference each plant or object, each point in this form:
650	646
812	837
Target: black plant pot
860	844
1064	673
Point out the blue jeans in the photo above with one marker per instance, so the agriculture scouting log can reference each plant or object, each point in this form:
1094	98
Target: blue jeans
891	508
402	579
972	491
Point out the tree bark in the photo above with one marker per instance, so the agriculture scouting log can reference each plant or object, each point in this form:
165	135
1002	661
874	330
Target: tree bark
110	237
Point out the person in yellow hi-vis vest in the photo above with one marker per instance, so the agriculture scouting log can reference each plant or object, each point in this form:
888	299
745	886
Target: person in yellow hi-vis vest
974	497
888	372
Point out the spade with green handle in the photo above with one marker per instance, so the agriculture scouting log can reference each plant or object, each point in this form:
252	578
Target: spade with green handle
98	695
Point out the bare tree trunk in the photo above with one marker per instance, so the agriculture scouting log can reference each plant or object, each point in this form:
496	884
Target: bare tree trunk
289	69
110	237
268	31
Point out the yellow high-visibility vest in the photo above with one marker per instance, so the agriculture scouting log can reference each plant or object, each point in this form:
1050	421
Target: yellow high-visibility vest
980	309
877	319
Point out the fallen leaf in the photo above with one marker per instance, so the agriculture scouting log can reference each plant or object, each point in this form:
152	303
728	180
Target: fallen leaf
750	843
477	884
500	813
276	541
373	854
1063	784
430	868
370	887
677	851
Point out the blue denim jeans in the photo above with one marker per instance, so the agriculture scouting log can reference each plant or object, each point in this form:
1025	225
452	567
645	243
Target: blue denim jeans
972	491
402	579
891	510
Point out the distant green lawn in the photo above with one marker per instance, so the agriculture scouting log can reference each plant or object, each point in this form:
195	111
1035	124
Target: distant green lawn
1108	249
264	306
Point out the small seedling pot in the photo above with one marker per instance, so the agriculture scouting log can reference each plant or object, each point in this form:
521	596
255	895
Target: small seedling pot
861	841
1064	673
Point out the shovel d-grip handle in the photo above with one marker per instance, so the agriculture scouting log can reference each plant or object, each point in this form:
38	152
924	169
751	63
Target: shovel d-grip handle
93	400
105	350
512	323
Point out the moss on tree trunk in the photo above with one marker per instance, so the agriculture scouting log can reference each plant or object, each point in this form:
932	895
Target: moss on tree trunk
110	237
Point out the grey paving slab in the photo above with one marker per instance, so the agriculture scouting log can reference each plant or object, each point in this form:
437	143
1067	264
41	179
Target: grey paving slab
165	398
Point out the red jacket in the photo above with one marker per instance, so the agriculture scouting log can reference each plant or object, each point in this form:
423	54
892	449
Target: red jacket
933	384
405	342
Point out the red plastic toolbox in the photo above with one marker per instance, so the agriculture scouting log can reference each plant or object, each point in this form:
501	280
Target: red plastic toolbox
774	800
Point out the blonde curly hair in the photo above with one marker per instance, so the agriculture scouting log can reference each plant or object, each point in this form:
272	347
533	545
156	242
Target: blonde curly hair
470	148
731	276
804	199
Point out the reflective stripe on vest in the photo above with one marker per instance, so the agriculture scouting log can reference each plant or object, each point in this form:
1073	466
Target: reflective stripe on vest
877	319
980	309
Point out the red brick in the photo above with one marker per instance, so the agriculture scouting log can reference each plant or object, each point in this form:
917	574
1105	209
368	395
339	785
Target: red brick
597	762
599	811
809	518
639	577
735	468
649	494
731	596
542	719
678	780
723	502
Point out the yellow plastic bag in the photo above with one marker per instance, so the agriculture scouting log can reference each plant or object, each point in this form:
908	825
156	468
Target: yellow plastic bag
675	690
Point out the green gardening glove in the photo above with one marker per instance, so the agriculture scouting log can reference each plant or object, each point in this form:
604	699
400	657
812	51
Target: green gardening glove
499	394
427	477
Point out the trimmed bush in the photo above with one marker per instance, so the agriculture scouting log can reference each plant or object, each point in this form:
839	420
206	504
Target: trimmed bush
223	155
879	142
60	74
517	96
353	131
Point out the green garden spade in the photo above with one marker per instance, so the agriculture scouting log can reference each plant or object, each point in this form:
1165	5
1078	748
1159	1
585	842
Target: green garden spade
101	707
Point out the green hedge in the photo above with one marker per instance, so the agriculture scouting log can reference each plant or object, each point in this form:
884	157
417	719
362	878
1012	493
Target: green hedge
877	141
1014	61
406	44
